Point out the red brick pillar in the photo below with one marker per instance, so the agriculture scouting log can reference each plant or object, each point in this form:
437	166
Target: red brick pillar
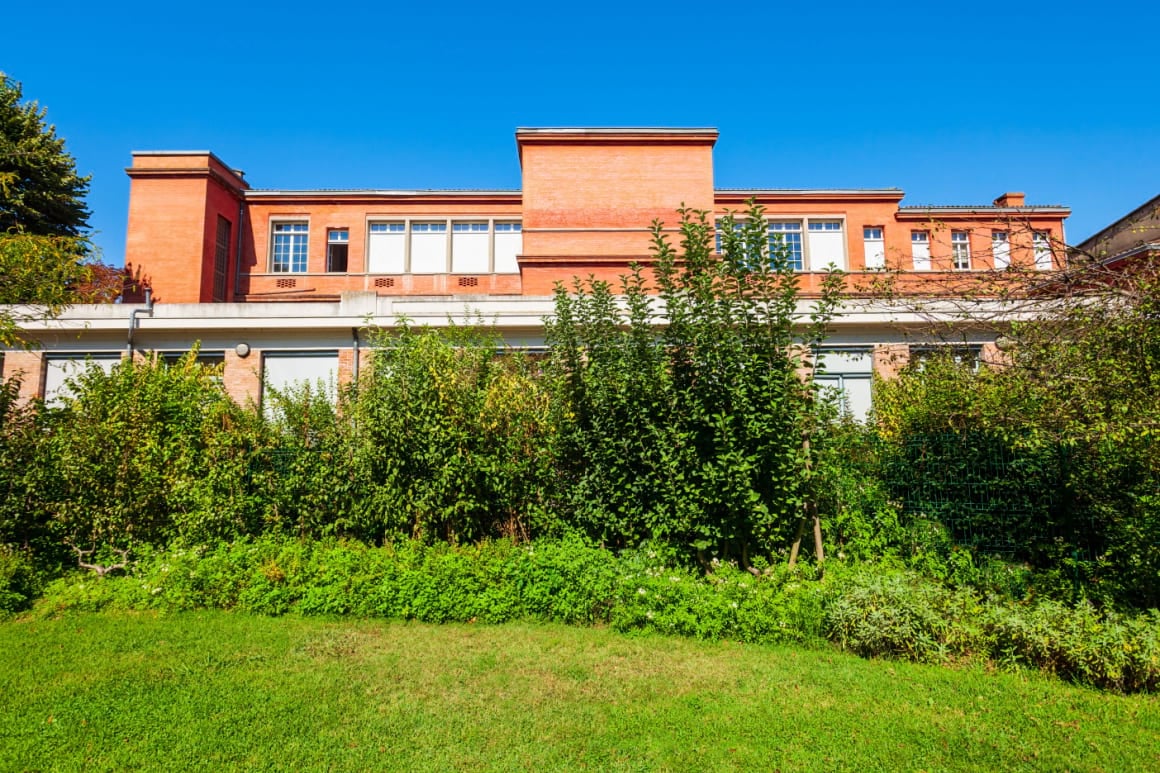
994	357
890	359
242	376
29	368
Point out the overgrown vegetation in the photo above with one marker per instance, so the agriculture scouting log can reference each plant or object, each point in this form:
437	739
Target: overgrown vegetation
1053	453
681	415
648	474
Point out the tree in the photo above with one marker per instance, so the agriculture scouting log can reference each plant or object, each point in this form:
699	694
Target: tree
41	275
40	191
46	262
1062	426
683	417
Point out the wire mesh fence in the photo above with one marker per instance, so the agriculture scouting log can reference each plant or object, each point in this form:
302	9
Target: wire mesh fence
994	495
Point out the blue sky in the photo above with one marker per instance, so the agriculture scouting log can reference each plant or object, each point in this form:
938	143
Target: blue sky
954	106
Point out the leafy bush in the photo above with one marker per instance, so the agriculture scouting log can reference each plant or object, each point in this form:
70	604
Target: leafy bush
295	471
450	435
124	460
681	415
1080	644
728	604
18	580
893	614
1052	455
859	519
883	613
24	519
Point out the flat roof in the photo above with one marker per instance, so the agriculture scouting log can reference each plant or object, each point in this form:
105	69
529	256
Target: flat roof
984	208
813	191
615	130
317	192
517	191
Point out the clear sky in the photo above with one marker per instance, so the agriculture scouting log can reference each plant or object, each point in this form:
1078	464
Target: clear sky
953	103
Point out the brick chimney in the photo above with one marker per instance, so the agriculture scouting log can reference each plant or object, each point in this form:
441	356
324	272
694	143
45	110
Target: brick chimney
1011	199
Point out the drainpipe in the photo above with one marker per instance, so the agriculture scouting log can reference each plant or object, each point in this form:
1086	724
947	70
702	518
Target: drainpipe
354	358
133	318
238	250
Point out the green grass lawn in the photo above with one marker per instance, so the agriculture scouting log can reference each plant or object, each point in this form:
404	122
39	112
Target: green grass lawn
217	691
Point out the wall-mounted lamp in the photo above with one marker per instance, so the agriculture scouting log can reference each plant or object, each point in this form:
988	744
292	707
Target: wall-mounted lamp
242	349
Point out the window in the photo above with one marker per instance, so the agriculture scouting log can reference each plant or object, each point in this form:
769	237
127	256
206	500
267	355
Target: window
920	250
785	244
429	248
847	376
1001	248
221	258
211	359
387	248
470	247
509	242
282	371
337	248
60	369
875	247
289	250
961	250
961	354
826	244
1041	242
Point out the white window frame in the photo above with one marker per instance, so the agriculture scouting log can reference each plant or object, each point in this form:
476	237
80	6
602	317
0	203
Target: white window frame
1041	250
445	224
879	240
777	239
473	227
1001	248
924	242
277	223
505	227
961	250
824	222
337	237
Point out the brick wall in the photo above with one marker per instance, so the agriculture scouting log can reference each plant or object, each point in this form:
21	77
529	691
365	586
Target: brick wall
242	376
890	359
29	368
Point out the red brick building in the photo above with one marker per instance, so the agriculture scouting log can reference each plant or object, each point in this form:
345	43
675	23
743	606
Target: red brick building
278	283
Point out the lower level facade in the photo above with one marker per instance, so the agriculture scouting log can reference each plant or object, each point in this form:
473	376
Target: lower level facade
271	345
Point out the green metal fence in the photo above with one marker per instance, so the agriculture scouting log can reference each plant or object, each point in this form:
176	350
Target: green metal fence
991	494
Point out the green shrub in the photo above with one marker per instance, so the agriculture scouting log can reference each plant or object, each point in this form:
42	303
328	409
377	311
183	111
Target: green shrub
680	414
1079	644
124	459
17	580
884	613
295	471
451	439
1051	460
24	519
859	520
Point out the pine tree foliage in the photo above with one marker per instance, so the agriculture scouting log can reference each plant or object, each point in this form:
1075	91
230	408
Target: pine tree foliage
40	190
